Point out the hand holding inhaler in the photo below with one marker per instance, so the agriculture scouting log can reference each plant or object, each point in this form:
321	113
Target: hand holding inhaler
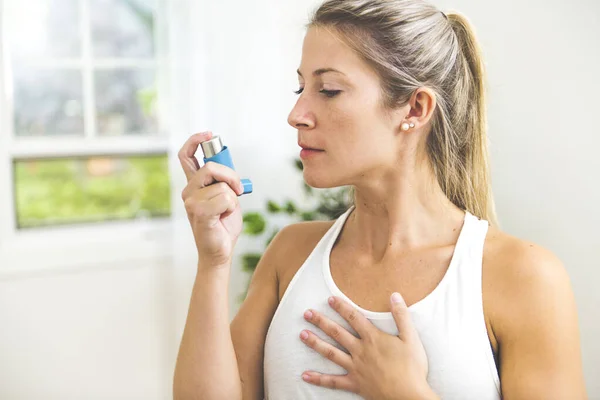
211	199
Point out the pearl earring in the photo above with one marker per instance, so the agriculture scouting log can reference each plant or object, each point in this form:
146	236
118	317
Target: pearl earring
406	126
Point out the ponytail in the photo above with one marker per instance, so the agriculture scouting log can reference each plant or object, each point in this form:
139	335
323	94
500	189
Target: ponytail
472	188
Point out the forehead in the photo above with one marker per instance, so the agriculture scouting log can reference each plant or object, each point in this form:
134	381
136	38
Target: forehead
325	49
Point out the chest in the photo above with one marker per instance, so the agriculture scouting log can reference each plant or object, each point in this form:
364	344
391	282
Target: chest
460	363
414	275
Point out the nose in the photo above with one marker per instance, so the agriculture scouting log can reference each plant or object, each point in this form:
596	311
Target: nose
301	117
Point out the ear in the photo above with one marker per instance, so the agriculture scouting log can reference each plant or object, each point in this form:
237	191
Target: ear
422	105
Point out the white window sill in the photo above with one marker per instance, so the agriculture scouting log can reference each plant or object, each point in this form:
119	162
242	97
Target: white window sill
86	247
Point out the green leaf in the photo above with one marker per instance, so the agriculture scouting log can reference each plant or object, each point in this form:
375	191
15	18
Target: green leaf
250	261
308	216
254	223
290	207
299	164
273	207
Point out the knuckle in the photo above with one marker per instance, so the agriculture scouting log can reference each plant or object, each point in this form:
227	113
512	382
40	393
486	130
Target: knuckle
332	383
330	354
211	166
184	194
335	333
232	198
188	204
316	318
352	316
222	186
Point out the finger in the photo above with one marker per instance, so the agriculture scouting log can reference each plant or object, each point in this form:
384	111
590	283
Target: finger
359	322
340	382
402	317
188	162
333	330
222	204
327	350
210	192
213	201
214	172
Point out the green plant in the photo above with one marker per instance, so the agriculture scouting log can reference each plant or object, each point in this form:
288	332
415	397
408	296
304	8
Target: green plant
329	204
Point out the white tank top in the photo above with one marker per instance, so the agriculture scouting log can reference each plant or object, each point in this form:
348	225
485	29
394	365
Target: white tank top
449	320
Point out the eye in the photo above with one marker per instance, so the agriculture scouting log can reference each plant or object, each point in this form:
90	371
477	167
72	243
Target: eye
330	93
299	91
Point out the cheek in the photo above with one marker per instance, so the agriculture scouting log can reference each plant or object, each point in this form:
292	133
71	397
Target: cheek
345	125
361	136
356	133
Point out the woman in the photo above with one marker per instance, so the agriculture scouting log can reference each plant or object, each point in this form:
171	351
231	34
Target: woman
391	102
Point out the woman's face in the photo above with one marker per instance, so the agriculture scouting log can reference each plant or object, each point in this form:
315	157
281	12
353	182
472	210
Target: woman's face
339	111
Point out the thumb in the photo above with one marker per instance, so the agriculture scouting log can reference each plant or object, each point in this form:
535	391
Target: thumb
401	316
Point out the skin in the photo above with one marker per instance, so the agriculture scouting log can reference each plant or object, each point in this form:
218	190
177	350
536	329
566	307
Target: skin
404	228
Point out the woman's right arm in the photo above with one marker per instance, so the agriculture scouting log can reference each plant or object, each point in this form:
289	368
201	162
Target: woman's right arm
222	361
206	365
216	360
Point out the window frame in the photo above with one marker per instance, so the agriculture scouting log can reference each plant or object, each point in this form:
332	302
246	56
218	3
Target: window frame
87	244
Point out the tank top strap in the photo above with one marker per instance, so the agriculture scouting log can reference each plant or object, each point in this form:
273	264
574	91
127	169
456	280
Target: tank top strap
470	261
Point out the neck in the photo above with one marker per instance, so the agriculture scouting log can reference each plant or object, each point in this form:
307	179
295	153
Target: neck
399	214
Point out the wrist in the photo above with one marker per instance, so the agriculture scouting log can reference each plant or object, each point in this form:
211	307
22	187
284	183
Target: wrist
219	272
217	265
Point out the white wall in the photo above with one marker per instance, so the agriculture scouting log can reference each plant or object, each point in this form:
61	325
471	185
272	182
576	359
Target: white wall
543	60
113	332
93	335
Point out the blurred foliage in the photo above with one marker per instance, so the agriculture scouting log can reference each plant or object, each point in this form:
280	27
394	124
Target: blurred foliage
330	204
66	191
147	100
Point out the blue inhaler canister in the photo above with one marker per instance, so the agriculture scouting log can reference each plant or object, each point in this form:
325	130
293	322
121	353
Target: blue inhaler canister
215	151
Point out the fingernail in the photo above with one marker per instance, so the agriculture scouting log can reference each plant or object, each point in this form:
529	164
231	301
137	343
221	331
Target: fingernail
331	300
308	314
303	335
396	298
306	377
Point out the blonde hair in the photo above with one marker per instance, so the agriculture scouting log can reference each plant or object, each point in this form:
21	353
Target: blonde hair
411	44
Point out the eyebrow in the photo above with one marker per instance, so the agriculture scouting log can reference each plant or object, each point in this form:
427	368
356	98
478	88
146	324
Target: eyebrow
321	71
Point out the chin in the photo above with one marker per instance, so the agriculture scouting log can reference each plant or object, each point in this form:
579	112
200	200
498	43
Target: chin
320	180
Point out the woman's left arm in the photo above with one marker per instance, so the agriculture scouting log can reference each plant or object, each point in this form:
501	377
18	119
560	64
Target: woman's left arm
534	318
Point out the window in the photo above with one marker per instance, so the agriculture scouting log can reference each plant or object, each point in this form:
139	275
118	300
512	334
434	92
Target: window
83	133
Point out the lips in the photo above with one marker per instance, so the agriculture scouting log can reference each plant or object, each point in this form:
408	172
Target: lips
307	147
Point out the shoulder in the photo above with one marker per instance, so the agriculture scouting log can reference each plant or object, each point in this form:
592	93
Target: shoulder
303	234
293	244
533	315
523	282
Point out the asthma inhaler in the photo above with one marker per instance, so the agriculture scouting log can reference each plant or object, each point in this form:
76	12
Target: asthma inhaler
215	151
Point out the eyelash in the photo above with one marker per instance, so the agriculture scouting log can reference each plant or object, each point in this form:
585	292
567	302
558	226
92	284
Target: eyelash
328	93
